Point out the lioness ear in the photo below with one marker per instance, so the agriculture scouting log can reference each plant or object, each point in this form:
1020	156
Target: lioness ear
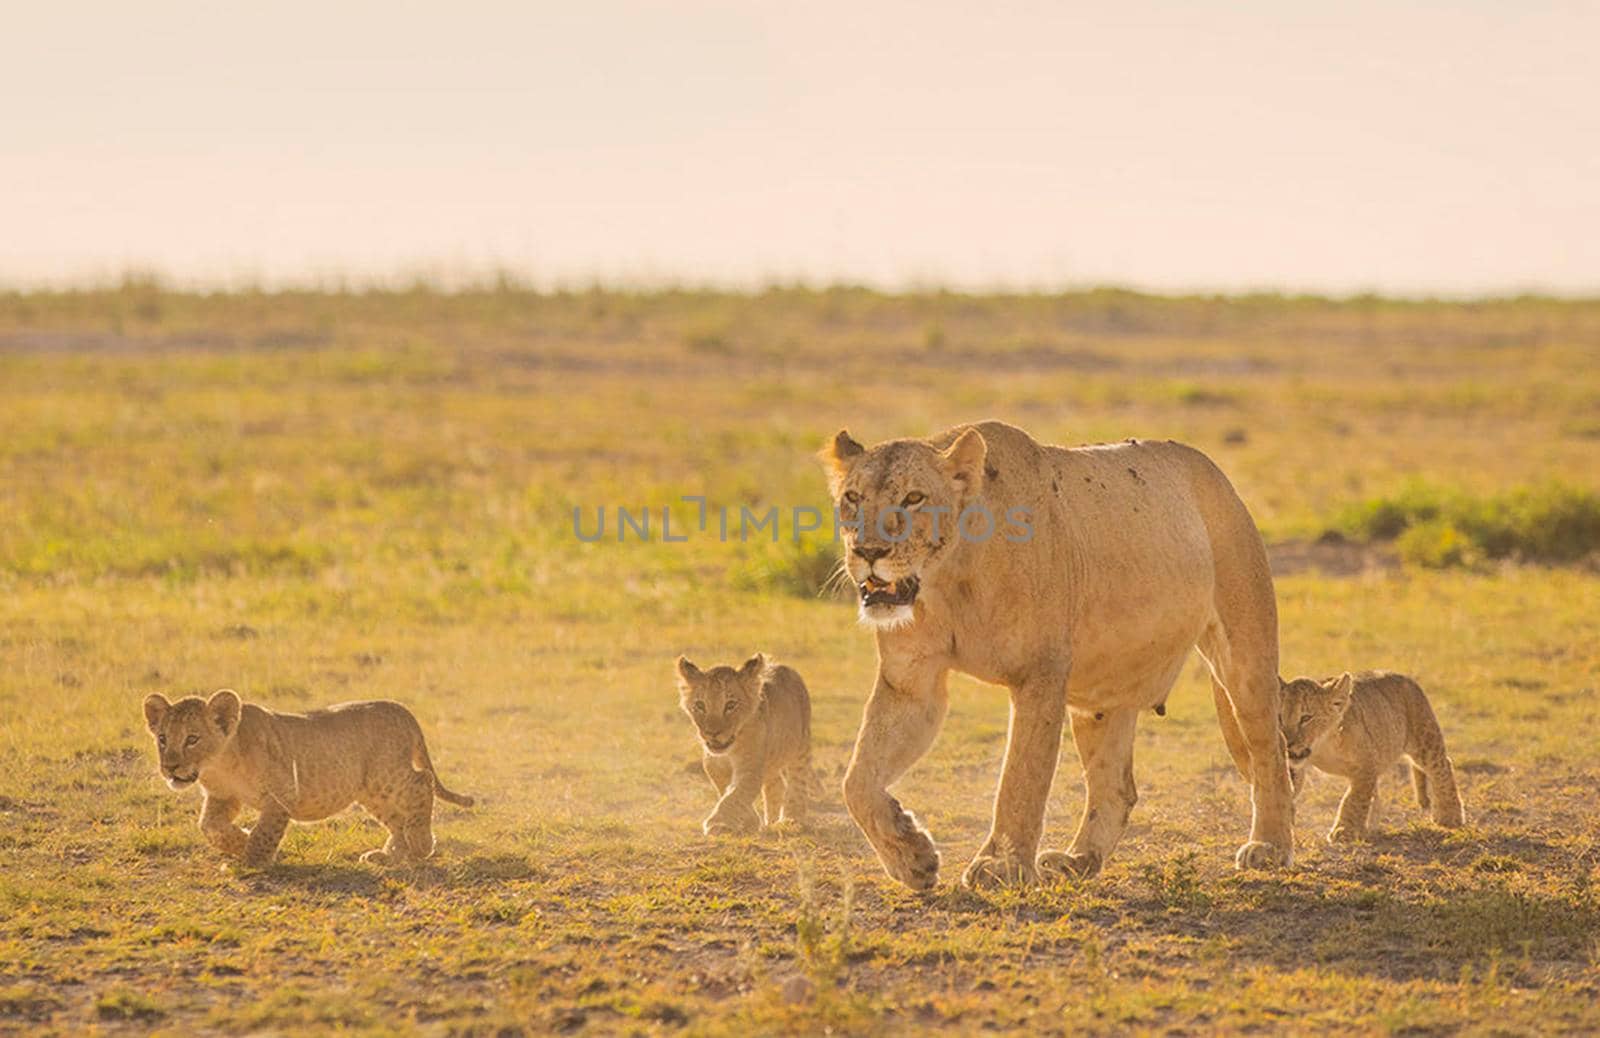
687	672
223	708
963	460
155	708
838	456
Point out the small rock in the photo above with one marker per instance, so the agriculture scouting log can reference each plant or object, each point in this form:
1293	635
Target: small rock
797	989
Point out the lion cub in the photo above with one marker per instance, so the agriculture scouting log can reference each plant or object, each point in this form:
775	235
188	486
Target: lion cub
1358	725
299	767
755	725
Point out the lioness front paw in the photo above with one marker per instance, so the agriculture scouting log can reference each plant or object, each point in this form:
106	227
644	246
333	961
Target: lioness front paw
988	871
911	857
377	856
1346	834
1258	854
1054	865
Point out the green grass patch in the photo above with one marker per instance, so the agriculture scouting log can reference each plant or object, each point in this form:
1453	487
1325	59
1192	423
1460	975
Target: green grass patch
1440	527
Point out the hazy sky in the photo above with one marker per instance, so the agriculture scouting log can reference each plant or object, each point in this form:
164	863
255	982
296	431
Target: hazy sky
1337	145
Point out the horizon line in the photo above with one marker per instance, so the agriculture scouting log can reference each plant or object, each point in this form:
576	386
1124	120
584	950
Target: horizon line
438	280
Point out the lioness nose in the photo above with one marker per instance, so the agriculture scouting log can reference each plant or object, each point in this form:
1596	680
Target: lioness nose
870	552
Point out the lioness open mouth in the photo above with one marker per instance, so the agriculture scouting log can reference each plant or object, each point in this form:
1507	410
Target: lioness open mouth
875	592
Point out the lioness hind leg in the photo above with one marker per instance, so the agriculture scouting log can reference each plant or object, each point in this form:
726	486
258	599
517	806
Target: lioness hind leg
1105	749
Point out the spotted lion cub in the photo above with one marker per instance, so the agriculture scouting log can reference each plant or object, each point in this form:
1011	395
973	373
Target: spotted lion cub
1357	725
755	725
299	767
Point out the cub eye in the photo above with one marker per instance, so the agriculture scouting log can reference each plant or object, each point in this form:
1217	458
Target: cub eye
1305	718
699	706
161	740
851	497
913	499
729	706
191	740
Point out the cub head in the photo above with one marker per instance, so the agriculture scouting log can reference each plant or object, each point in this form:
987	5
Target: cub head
1310	710
899	504
722	700
190	732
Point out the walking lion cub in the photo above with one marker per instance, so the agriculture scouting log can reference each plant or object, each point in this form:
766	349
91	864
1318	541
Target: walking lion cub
1357	725
299	767
755	726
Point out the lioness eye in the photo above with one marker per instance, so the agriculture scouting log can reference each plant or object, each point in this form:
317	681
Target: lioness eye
191	740
1305	718
699	706
161	740
913	499
728	709
851	497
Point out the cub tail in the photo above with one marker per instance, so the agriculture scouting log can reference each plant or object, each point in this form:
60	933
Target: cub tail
420	761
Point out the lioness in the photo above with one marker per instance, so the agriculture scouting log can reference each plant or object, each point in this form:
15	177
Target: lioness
755	725
1079	578
1358	725
300	767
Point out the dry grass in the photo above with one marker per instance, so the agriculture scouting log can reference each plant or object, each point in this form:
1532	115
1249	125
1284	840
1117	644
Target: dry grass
320	497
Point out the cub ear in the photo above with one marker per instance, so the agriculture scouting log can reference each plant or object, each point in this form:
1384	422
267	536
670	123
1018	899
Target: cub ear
155	708
963	460
223	708
688	673
1342	686
754	671
838	456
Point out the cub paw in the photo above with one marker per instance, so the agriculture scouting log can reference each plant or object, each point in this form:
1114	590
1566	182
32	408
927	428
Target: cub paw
1258	854
988	871
731	822
377	857
1346	834
1058	865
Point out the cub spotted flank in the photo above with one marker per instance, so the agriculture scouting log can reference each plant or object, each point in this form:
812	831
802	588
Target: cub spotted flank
299	767
1356	726
754	723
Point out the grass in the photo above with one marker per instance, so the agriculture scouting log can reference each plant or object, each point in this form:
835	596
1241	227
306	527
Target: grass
1438	527
312	497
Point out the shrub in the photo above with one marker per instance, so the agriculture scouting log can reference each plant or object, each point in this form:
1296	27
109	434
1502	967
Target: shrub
1439	527
806	568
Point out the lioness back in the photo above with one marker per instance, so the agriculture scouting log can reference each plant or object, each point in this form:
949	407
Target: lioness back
1359	725
754	724
299	767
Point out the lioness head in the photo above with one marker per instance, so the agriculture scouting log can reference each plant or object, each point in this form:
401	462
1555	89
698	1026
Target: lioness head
899	506
190	732
1309	710
722	700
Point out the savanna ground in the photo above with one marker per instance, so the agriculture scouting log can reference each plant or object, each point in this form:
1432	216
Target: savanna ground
318	497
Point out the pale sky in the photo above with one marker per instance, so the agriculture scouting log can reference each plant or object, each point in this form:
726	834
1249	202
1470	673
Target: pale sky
1335	146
